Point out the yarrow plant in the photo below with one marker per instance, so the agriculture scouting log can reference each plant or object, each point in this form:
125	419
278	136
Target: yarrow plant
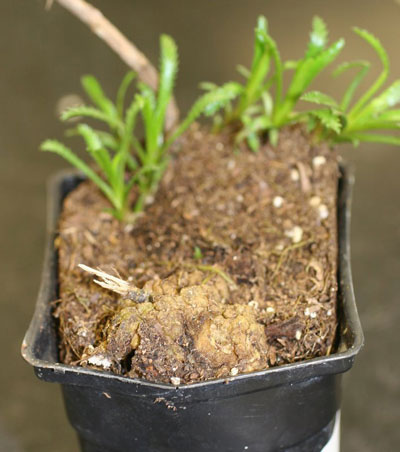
261	107
257	108
345	122
123	161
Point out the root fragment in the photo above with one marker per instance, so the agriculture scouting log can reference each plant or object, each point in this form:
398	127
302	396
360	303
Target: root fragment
118	285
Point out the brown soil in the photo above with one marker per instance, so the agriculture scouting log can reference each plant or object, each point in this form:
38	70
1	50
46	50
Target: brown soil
238	251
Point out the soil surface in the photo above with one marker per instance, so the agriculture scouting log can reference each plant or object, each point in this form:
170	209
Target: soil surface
237	253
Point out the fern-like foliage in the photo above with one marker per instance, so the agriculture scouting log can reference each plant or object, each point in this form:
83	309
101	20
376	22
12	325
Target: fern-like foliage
261	106
123	161
353	121
258	107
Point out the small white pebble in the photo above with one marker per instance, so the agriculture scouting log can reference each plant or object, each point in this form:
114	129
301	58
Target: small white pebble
246	447
233	236
175	381
296	234
294	175
219	146
306	312
277	201
239	198
231	164
329	313
149	200
99	360
323	211
298	335
313	315
279	247
318	161
315	201
129	228
270	309
253	304
234	371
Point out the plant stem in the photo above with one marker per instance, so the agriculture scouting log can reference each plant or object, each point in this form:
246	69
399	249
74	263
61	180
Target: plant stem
140	202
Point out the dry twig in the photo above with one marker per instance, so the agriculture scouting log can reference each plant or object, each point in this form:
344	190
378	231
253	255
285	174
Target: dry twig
121	45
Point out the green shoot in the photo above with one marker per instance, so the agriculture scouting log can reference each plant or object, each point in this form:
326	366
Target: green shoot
124	162
259	111
261	107
197	254
109	151
253	88
344	122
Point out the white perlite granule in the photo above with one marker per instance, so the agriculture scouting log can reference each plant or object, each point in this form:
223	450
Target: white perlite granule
175	381
296	234
277	201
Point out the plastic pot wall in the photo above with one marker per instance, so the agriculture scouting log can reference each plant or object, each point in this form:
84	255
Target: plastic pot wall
288	408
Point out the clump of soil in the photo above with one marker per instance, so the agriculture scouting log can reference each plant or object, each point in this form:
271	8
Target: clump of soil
238	251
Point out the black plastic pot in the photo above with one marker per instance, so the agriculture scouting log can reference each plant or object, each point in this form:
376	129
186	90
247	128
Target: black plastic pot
286	408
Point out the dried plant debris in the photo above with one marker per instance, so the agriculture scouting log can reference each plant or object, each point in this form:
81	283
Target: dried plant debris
185	333
235	262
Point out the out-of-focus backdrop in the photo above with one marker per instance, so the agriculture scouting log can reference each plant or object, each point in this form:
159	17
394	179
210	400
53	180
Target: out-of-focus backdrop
43	55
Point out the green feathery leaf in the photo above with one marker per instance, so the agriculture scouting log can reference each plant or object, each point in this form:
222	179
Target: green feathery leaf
317	97
207	104
259	68
168	71
123	88
318	37
91	112
388	99
58	148
95	92
95	148
356	138
377	46
305	73
329	119
363	67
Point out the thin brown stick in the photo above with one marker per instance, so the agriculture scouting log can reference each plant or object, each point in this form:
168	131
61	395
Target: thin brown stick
121	45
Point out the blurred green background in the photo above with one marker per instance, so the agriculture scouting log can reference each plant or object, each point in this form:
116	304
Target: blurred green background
43	55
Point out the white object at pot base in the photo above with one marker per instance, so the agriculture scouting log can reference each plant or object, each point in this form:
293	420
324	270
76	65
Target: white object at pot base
333	445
